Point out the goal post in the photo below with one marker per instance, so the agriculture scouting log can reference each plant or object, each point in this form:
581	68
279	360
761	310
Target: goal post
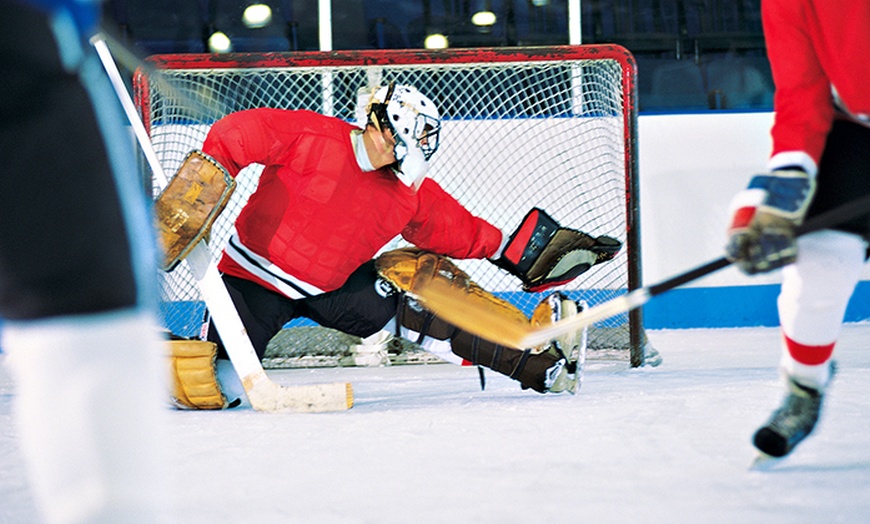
552	127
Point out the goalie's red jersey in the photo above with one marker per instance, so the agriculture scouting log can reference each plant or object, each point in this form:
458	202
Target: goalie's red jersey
816	48
315	216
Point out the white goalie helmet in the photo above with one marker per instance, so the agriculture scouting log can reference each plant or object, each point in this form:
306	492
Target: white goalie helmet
415	123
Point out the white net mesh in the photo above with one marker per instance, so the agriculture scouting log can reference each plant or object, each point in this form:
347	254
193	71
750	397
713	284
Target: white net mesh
537	130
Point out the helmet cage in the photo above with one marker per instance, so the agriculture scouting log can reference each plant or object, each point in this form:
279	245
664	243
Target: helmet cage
426	132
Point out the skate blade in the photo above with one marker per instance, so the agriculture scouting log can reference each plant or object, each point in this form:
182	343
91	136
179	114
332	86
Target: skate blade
764	462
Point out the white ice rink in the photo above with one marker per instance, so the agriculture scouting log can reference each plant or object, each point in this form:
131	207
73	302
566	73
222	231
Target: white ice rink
423	444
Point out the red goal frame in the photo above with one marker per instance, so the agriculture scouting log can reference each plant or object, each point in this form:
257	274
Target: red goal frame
621	55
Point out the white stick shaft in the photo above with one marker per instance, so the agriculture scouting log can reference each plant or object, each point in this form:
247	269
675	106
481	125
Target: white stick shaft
226	319
215	294
129	108
588	317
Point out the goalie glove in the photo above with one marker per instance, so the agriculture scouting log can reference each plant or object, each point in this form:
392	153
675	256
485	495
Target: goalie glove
543	254
762	233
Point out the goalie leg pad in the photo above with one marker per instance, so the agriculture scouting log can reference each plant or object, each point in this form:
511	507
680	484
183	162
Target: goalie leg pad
409	269
189	205
543	254
193	375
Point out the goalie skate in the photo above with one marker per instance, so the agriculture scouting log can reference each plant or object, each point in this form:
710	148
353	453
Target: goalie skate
571	346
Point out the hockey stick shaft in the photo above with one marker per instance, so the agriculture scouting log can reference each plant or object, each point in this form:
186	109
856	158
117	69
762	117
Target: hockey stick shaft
452	307
139	130
641	296
833	217
263	394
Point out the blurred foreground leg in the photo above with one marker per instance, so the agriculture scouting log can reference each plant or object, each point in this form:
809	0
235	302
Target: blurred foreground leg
89	405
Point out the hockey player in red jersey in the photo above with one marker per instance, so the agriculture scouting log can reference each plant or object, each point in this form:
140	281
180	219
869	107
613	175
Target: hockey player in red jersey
331	196
818	52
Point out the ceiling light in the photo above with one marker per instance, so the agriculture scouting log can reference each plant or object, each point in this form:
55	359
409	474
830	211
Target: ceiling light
257	15
219	42
436	41
483	18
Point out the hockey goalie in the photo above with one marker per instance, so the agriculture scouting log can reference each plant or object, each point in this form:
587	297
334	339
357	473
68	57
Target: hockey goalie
332	195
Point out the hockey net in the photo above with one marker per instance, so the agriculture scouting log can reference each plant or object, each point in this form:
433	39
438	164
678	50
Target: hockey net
552	127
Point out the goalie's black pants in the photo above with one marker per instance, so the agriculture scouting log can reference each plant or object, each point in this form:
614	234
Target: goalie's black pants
362	307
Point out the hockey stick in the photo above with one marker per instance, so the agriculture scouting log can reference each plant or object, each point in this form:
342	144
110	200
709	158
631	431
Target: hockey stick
451	306
262	392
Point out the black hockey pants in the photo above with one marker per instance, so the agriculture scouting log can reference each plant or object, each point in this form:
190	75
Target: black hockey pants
362	307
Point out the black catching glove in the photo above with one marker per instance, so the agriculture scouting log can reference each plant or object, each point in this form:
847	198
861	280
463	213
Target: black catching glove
544	254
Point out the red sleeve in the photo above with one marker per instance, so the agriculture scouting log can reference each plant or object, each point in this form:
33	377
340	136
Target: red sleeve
802	100
247	137
443	226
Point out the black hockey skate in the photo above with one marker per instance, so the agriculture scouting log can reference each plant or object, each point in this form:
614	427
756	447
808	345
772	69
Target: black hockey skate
791	423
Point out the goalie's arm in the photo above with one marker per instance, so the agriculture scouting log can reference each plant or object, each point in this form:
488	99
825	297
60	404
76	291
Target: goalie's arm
254	136
442	225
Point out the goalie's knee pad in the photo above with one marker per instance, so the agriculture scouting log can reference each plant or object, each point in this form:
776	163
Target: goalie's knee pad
193	375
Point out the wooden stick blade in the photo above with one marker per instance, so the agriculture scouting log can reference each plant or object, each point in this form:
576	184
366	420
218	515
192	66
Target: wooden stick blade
455	306
266	395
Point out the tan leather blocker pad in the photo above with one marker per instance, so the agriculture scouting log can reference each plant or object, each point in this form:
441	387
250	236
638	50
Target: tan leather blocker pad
410	268
193	376
189	205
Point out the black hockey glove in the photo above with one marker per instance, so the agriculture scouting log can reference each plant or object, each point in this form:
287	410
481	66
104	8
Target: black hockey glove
544	254
762	233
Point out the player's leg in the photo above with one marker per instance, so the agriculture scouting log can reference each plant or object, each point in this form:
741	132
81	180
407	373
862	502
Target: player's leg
77	287
361	307
539	370
816	291
89	411
812	303
264	313
368	303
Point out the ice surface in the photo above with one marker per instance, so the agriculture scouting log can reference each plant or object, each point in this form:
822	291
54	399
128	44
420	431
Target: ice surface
423	444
